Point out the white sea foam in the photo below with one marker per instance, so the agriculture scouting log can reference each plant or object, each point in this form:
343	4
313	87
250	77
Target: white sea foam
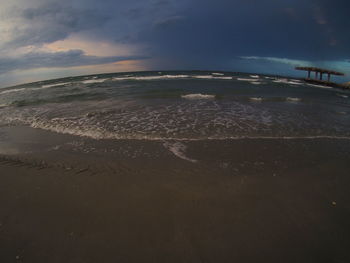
294	83
224	78
166	77
244	79
137	128
179	150
258	99
162	77
319	86
198	96
342	96
290	82
55	85
186	119
90	132
255	76
203	77
290	99
25	89
176	148
218	74
211	77
255	82
280	80
149	78
122	78
94	80
12	90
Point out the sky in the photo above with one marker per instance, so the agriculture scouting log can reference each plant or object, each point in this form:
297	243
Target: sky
45	39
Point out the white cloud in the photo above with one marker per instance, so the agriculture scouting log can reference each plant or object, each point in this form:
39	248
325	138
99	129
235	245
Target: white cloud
288	61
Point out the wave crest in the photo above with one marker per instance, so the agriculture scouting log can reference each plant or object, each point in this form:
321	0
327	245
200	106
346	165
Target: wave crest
198	96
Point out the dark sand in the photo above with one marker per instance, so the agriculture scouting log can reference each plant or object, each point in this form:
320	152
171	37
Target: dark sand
68	199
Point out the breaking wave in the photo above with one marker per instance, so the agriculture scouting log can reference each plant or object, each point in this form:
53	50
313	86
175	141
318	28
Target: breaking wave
211	77
343	96
288	82
55	85
245	79
144	78
91	81
293	99
256	99
319	86
217	76
26	89
198	96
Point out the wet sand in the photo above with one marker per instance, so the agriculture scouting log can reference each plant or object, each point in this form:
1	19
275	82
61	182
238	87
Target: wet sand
69	199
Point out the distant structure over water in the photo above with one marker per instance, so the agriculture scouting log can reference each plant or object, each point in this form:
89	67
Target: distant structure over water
318	79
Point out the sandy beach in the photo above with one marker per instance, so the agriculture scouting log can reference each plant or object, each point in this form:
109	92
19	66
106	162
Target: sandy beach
234	204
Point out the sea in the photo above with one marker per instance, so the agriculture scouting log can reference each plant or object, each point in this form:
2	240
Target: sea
184	105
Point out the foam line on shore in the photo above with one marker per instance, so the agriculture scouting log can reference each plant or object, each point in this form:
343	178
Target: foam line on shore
111	136
179	150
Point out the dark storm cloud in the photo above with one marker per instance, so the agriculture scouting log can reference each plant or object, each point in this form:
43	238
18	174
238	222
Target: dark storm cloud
168	23
216	32
70	58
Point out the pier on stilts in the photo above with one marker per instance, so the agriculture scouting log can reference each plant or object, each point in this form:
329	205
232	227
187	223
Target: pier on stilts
321	76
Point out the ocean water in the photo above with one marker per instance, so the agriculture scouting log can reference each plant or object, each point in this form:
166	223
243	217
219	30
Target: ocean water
179	106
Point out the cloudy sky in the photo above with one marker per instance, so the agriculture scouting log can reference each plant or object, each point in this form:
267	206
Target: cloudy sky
44	39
